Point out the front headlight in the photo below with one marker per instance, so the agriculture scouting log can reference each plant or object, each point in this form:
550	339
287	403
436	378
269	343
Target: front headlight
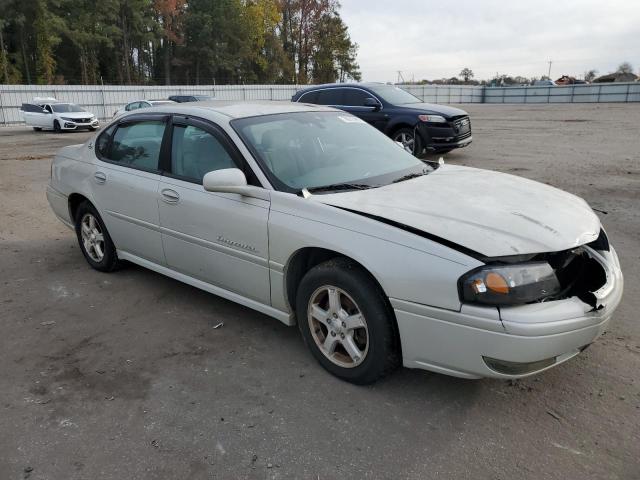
68	119
432	118
509	284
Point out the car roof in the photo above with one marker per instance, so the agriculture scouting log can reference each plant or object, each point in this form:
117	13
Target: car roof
242	109
344	85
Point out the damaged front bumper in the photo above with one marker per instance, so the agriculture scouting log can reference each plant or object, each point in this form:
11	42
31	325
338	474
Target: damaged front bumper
510	342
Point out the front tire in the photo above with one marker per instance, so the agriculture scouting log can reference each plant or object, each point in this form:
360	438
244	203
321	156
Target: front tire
36	129
56	126
346	323
411	141
93	237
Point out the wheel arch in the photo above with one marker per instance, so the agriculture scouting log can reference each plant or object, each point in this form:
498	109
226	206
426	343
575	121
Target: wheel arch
75	199
399	123
304	259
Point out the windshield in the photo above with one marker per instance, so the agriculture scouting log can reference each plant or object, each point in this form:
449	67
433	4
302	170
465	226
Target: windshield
394	95
66	108
320	149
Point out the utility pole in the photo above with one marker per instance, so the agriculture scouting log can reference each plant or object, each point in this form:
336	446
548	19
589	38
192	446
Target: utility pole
549	74
400	77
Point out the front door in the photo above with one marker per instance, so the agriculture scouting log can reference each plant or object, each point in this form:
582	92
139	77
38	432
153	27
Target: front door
219	238
125	184
45	119
354	103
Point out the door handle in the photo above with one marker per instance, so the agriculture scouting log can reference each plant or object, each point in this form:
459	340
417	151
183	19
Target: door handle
170	196
100	177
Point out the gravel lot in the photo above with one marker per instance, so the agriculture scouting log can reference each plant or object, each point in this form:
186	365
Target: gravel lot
123	376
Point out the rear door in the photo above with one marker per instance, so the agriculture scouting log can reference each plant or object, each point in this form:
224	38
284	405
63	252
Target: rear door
125	184
30	113
220	238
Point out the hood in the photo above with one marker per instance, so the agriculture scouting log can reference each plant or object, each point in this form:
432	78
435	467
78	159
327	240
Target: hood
75	114
431	108
494	214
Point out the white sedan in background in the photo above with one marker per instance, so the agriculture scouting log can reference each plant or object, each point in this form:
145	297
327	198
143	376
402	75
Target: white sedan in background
310	215
49	114
138	104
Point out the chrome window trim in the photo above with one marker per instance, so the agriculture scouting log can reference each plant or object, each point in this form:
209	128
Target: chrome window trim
299	100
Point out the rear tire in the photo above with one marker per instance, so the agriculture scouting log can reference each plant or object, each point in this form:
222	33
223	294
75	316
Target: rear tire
94	239
56	126
345	321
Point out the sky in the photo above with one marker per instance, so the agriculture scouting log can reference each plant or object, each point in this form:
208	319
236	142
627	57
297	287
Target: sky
437	38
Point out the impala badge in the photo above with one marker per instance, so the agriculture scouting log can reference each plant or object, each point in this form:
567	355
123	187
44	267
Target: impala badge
231	243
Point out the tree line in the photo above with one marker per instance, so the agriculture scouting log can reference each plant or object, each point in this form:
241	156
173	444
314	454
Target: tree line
191	42
466	77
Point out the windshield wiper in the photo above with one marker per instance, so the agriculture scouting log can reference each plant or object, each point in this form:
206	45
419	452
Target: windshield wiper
409	176
340	186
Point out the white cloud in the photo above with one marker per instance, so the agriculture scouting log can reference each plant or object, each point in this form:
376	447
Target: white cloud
435	39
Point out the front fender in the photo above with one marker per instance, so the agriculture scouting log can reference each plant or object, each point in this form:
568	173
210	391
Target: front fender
407	266
400	121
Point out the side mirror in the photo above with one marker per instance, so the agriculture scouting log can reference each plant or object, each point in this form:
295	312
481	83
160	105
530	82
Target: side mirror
232	180
372	102
44	110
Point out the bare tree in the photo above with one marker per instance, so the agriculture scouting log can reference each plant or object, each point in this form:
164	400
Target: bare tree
590	75
466	74
625	67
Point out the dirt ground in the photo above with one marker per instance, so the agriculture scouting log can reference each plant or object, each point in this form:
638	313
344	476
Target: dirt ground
123	375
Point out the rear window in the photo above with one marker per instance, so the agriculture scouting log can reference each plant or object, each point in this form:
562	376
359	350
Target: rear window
309	97
133	144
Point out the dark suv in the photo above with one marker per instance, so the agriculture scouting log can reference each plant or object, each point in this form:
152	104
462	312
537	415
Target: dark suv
403	117
191	98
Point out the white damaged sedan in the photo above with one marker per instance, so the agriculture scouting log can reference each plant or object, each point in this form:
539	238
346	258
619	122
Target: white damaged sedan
312	216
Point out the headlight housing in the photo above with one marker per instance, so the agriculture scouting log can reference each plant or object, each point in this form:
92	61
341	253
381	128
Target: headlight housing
509	284
68	119
432	118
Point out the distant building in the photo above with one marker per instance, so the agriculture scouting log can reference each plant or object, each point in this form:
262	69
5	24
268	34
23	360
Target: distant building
616	77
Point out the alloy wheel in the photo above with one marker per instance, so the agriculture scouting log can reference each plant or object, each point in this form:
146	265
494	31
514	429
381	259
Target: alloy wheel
92	237
407	140
338	326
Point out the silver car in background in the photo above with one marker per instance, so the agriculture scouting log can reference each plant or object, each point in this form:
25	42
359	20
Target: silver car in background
313	217
138	104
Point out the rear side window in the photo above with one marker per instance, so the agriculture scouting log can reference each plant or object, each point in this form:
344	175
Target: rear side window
195	152
331	96
104	142
309	97
354	97
133	144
